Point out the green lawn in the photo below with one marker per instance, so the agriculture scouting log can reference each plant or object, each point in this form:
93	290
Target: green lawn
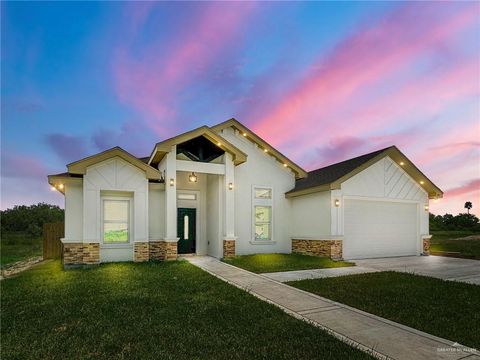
16	246
169	310
442	241
442	308
265	263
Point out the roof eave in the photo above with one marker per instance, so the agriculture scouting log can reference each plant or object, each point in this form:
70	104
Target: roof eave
300	173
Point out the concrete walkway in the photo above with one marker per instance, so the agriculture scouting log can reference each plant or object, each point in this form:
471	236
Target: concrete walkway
380	337
441	267
285	276
463	270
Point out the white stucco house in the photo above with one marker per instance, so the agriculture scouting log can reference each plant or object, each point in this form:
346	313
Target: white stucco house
223	191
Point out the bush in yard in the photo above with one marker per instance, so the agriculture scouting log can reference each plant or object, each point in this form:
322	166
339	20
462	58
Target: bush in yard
31	218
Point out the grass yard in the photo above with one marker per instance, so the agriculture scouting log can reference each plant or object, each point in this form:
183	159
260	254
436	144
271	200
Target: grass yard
442	241
442	308
265	263
169	310
16	246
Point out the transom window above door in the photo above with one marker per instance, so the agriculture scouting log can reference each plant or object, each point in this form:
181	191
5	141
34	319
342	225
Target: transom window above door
116	224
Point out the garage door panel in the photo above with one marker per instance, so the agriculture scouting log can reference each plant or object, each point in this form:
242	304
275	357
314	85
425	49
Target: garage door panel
379	228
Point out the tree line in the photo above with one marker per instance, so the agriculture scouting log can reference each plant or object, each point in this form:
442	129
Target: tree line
454	222
30	219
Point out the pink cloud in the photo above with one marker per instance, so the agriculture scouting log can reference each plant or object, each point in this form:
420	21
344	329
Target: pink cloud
16	165
154	83
329	95
471	186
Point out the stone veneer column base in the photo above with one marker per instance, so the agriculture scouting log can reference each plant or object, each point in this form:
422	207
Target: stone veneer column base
228	248
322	248
75	254
141	252
163	250
426	245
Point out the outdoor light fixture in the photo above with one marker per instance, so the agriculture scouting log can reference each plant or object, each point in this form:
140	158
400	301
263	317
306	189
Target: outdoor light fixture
402	163
60	186
192	177
337	202
426	207
230	186
172	181
285	165
219	143
53	188
422	182
244	134
265	150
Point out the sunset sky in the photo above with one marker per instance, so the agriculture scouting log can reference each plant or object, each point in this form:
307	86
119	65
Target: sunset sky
322	82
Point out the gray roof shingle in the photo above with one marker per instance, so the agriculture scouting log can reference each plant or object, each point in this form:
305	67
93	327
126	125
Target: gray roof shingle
331	173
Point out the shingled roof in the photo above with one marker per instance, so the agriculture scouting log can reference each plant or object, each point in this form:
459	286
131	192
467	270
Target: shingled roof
330	177
330	173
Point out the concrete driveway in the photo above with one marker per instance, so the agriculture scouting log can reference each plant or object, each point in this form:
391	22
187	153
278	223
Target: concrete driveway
441	267
463	270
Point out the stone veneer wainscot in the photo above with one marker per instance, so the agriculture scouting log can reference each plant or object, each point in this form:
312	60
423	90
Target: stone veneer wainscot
321	248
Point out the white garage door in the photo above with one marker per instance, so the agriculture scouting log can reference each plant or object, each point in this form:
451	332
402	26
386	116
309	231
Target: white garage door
379	229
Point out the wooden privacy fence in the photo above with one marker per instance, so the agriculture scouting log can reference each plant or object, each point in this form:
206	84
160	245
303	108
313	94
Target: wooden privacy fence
52	246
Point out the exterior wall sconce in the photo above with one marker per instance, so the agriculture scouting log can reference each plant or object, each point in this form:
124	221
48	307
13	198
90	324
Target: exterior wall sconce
192	177
426	207
172	181
230	186
337	203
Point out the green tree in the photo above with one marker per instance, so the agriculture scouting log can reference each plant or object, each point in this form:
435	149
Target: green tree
31	218
468	206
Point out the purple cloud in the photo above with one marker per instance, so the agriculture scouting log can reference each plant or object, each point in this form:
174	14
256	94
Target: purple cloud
67	147
21	166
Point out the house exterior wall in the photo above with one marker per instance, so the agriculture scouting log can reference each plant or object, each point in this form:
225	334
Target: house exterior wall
115	177
260	169
311	216
214	223
387	180
156	212
74	212
384	182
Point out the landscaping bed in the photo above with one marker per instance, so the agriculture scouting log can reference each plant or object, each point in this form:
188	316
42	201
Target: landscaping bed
169	310
443	308
266	263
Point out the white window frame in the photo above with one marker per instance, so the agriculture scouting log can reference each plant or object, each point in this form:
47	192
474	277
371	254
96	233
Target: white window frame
266	203
129	221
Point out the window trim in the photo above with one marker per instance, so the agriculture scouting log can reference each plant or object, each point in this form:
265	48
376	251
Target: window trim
265	203
129	221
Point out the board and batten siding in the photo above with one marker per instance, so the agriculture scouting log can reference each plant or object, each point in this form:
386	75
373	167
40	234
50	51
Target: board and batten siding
260	169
